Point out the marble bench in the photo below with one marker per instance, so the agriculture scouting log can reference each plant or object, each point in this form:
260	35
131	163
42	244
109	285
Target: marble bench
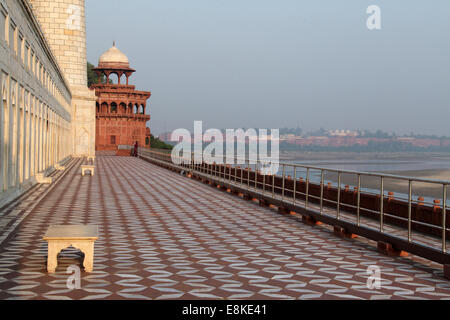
87	167
81	237
59	167
42	179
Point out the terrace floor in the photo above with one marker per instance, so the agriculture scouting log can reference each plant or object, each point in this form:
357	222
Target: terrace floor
164	236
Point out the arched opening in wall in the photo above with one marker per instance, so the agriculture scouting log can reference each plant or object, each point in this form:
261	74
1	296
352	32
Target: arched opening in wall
98	107
113	107
14	132
130	108
104	107
147	141
107	80
40	136
58	139
50	138
122	108
101	78
123	79
32	135
27	136
115	78
47	139
136	109
142	109
21	134
5	135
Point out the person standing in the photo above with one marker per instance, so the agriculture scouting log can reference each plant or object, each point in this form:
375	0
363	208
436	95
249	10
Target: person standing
136	146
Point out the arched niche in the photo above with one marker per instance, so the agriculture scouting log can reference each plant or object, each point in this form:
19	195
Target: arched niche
122	108
113	107
104	108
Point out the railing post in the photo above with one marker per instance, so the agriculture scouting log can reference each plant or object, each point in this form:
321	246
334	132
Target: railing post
264	183
381	204
295	184
282	186
444	223
248	175
224	161
256	175
322	183
358	202
409	210
273	184
338	213
226	173
307	188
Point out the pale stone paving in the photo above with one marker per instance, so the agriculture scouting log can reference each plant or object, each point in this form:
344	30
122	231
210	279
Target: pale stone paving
163	236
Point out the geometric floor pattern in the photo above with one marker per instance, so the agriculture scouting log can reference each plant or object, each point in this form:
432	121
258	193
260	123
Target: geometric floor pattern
164	236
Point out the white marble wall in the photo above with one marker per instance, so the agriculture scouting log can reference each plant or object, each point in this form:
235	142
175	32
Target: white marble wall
64	25
35	102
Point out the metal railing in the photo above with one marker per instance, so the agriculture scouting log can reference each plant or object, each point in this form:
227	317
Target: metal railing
360	201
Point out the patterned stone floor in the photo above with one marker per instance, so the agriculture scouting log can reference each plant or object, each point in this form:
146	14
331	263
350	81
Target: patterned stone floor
163	236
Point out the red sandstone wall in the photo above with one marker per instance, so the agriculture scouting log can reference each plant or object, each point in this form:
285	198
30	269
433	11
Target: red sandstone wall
127	131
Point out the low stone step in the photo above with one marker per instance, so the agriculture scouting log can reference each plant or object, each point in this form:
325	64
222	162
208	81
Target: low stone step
123	153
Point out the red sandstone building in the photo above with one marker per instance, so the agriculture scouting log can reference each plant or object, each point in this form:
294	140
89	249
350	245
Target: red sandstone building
120	116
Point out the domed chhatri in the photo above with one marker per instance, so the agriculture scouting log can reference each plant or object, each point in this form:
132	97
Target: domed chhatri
121	115
113	58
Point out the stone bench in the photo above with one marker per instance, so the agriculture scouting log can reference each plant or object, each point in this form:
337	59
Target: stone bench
87	167
42	179
81	237
59	167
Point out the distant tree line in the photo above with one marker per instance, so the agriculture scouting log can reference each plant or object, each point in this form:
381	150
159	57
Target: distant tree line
159	144
377	134
296	131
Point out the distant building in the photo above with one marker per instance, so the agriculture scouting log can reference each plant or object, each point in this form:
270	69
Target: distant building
342	133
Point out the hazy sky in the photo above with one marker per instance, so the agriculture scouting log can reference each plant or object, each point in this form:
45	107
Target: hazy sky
271	64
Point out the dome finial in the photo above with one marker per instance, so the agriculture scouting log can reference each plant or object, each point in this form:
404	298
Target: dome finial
113	57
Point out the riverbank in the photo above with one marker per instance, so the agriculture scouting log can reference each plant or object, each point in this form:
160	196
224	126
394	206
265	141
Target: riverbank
419	189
